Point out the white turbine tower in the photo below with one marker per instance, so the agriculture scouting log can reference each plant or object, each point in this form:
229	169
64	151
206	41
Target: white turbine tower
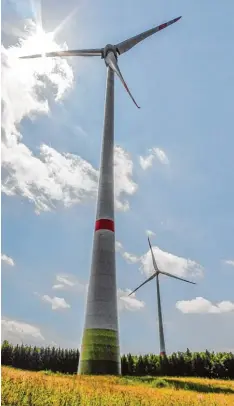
100	352
160	319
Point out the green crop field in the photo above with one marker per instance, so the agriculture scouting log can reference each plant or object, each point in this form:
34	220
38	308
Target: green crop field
21	388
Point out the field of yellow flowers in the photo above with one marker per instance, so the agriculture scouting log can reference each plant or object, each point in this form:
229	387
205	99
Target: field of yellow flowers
21	388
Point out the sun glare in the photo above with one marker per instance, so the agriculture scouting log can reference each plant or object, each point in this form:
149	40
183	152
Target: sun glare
33	72
39	42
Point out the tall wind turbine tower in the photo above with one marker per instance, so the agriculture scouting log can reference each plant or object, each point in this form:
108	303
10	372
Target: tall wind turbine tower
160	318
100	352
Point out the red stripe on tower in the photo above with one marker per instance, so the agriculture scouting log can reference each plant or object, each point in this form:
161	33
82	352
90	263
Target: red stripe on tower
105	224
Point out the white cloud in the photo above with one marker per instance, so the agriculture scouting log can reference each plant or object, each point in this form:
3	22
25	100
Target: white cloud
201	305
118	246
56	302
123	168
160	154
229	262
65	280
15	331
126	302
226	306
150	233
58	286
130	258
7	260
48	179
154	153
146	162
170	263
69	282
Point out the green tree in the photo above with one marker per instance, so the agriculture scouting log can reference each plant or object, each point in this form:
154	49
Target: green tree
6	353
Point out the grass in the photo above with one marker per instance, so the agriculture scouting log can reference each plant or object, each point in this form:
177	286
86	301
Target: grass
24	388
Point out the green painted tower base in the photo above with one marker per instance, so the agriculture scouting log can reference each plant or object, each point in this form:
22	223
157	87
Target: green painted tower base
99	353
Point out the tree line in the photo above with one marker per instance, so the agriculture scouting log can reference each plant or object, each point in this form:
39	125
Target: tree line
200	364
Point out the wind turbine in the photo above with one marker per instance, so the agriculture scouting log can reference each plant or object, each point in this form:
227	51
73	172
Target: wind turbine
156	275
100	353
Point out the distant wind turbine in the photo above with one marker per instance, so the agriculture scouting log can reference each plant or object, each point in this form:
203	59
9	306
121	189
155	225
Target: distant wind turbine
156	275
100	353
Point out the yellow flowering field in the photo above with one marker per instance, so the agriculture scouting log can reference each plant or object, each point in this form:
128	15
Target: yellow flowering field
21	388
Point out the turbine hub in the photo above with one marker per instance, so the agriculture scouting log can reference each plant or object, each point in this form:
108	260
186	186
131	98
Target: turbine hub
109	48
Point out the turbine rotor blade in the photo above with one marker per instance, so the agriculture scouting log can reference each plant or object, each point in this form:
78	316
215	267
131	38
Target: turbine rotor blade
147	280
81	52
112	62
153	258
131	42
176	277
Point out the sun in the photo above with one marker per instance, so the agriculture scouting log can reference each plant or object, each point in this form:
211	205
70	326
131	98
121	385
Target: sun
39	41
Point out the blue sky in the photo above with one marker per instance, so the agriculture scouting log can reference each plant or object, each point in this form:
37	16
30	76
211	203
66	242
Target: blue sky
174	164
